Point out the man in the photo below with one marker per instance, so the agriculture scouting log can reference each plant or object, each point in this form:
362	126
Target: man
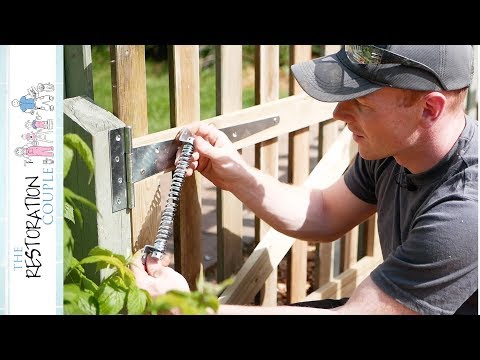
416	166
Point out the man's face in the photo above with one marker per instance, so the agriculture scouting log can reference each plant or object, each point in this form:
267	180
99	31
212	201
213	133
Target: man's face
381	126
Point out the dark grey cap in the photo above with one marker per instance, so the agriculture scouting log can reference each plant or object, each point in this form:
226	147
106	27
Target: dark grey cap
335	78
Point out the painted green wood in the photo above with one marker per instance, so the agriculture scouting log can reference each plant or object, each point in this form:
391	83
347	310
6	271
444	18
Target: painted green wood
78	71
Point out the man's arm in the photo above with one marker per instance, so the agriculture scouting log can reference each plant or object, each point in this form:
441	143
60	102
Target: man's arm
367	299
298	211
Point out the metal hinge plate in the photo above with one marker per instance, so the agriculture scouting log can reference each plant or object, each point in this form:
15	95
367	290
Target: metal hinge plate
130	165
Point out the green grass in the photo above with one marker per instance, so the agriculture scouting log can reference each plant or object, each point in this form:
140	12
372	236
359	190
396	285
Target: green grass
158	103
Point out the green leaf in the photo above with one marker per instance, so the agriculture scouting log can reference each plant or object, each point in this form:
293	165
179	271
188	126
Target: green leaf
76	142
211	301
67	249
189	303
97	250
67	236
70	196
78	302
88	285
111	298
129	277
136	301
78	216
75	273
103	261
216	289
118	281
68	212
67	160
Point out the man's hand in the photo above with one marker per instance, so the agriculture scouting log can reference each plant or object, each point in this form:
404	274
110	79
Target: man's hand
216	157
156	277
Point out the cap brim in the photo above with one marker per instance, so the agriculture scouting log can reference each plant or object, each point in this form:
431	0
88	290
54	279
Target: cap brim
327	79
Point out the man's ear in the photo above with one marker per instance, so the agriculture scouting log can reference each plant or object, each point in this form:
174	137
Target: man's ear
434	104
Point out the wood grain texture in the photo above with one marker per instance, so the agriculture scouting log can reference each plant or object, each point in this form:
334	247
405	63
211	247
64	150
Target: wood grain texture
298	170
324	253
229	208
266	152
373	241
349	249
129	96
184	74
295	112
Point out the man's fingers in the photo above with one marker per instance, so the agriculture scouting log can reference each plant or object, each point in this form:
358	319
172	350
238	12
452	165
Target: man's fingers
136	264
210	133
155	266
204	147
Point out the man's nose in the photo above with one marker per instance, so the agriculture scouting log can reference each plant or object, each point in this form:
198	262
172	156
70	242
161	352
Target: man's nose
343	112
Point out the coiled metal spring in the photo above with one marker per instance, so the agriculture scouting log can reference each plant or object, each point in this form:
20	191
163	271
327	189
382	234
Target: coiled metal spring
165	228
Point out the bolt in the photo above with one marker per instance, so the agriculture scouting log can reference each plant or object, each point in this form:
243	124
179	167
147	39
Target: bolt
156	150
142	171
234	134
120	180
119	201
117	159
118	137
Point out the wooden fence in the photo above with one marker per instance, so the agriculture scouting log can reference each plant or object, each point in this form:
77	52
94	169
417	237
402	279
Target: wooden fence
128	230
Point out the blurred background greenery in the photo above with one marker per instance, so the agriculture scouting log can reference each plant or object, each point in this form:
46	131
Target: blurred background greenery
158	104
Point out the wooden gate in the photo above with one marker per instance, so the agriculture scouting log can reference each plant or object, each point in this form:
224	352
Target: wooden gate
128	230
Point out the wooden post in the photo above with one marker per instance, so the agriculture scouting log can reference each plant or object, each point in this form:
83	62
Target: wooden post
107	229
229	208
373	243
184	109
78	71
129	98
79	82
266	152
349	249
324	253
298	170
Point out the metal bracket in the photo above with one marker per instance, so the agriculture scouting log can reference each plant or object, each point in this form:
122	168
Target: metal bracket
130	165
121	168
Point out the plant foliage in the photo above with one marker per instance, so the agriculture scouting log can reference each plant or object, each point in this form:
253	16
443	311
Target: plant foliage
117	291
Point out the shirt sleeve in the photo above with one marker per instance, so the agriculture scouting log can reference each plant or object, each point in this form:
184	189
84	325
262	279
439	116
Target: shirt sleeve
360	179
436	269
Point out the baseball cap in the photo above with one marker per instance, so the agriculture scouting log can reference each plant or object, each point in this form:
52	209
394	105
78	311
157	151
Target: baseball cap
358	70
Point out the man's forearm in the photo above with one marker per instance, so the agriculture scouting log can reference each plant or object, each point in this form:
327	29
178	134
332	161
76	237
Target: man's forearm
282	206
